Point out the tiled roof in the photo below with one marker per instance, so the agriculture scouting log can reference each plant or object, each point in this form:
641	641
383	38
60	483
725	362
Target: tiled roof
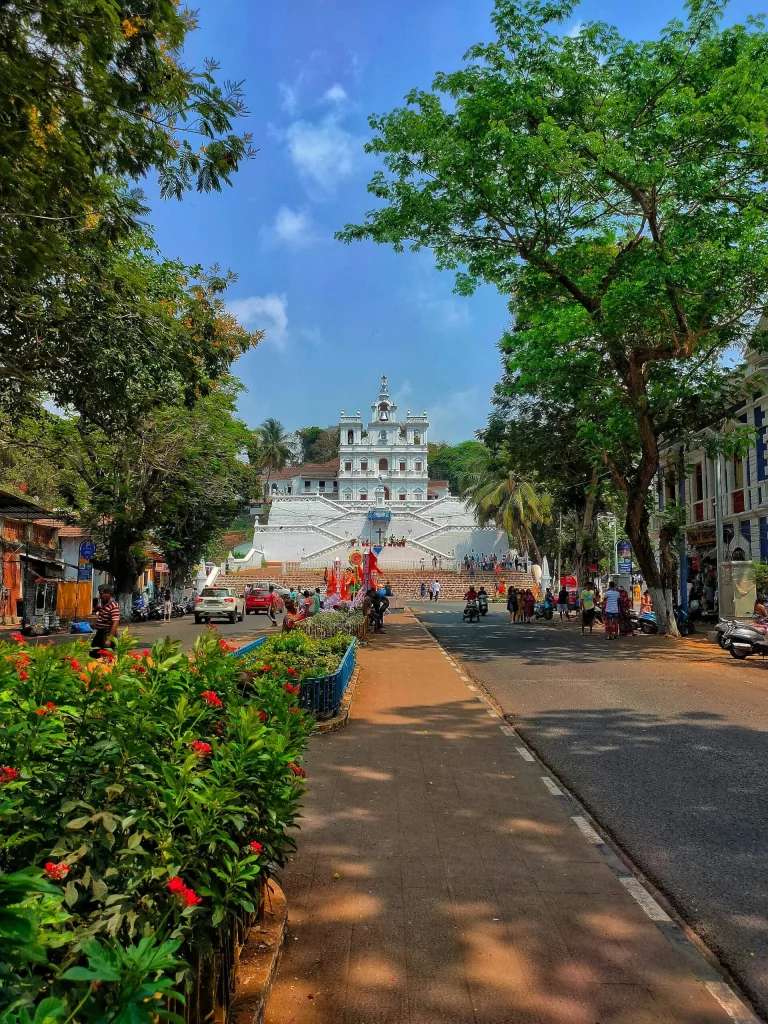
309	471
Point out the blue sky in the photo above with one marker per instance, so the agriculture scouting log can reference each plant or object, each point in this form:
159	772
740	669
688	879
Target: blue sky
336	316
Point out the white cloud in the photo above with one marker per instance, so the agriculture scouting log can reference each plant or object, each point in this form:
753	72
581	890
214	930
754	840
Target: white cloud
575	30
324	152
289	97
459	416
263	312
335	94
293	228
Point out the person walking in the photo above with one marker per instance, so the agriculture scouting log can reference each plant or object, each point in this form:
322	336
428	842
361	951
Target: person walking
512	604
436	588
272	604
587	609
562	602
316	601
107	621
290	618
167	606
529	604
626	627
611	610
423	590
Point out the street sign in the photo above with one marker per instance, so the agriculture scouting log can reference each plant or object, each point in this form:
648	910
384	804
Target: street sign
87	550
84	572
624	553
380	515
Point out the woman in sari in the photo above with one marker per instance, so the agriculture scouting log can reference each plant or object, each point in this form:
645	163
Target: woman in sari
625	620
529	603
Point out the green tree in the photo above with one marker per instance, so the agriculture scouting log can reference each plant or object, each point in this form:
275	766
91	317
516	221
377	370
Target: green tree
512	504
270	448
449	462
317	444
616	191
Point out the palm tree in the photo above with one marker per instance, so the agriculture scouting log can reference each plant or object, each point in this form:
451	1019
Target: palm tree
271	449
499	497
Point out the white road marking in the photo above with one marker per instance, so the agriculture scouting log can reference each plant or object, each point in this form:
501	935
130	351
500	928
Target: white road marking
471	687
586	830
644	899
550	785
525	754
490	711
730	1002
506	730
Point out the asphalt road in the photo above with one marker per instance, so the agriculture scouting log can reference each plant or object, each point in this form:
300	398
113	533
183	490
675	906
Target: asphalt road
666	743
182	628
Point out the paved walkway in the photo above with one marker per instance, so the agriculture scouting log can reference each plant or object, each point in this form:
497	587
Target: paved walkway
439	881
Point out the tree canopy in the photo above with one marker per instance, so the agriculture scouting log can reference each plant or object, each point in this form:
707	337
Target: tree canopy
450	461
616	191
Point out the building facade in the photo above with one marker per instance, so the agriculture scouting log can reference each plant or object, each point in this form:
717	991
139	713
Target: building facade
376	494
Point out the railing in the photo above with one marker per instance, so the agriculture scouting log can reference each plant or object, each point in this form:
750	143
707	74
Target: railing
323	695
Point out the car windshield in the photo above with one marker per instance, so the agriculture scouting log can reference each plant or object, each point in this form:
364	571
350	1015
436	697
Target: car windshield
215	592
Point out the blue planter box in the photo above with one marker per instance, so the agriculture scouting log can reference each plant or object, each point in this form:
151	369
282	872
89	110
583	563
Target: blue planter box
323	695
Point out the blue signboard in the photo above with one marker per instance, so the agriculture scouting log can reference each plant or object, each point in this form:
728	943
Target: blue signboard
84	572
380	515
87	550
624	553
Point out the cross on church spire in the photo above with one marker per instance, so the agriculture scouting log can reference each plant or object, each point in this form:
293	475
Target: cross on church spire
383	382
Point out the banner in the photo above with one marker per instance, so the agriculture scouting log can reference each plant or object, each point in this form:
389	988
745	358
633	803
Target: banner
624	553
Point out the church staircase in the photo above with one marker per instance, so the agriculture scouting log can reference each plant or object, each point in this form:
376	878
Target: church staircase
405	584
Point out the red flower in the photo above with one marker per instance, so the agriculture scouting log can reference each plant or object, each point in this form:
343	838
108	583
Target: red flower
146	652
21	660
18	638
297	770
107	687
141	669
266	668
293	709
8	775
49	708
185	894
74	663
212	698
256	847
23	674
108	655
56	871
200	748
262	716
134	655
291	671
225	646
291	689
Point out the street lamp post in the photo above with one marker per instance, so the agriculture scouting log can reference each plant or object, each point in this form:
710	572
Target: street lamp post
609	517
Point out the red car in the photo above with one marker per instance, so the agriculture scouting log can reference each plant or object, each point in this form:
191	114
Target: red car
257	600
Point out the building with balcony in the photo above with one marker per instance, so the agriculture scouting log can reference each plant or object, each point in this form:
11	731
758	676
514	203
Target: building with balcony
377	493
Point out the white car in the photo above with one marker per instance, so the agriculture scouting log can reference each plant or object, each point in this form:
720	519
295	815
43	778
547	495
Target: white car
219	603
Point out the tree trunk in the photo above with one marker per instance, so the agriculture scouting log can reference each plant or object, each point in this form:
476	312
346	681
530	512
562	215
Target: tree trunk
637	530
580	557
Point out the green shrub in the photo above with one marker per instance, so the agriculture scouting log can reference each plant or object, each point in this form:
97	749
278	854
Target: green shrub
156	791
296	656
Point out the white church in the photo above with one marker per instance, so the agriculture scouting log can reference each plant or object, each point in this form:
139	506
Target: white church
376	494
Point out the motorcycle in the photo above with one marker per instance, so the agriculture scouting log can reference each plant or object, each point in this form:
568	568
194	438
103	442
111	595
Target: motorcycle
746	638
178	609
482	603
648	624
155	611
139	610
544	609
471	612
723	630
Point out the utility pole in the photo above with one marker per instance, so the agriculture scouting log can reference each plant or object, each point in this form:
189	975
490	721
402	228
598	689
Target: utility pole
719	530
615	548
560	552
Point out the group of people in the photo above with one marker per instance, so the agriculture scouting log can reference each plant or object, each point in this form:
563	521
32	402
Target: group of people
491	563
375	605
433	589
521	604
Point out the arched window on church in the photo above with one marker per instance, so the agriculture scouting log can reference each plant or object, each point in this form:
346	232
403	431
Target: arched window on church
383	464
417	466
350	437
416	437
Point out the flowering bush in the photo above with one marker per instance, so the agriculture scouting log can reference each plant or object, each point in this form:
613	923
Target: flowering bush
146	799
292	657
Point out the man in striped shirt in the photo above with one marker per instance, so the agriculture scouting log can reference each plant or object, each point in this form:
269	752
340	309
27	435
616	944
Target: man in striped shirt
107	621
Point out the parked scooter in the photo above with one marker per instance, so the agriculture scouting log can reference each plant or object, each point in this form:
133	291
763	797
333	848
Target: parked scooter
746	638
471	612
139	610
647	623
482	603
155	611
544	609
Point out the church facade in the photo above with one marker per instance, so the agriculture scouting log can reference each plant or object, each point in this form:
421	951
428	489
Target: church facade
376	494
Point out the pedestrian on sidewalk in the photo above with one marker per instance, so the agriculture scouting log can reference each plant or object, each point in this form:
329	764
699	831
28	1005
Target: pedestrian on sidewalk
167	606
512	604
611	610
587	609
529	604
423	590
272	604
107	621
436	589
626	627
316	601
562	603
290	618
